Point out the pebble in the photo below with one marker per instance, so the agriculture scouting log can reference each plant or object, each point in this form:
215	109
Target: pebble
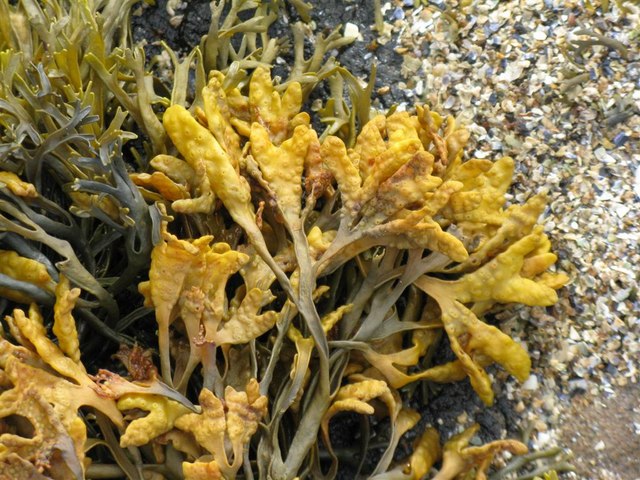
531	383
539	35
578	386
398	13
602	155
351	30
620	139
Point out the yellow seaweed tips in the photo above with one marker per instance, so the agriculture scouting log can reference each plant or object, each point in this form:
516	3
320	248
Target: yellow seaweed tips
160	419
388	188
46	384
197	144
187	284
306	207
64	325
17	186
459	459
278	114
24	270
223	430
282	166
426	453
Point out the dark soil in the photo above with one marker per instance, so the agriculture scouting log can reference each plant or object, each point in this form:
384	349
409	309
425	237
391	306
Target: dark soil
153	26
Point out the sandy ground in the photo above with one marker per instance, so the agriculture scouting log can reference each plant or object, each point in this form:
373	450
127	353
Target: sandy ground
603	434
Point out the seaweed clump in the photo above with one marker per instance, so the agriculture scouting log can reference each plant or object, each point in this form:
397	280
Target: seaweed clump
291	276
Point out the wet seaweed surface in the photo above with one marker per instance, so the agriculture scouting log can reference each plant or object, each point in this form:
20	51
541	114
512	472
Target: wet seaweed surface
451	404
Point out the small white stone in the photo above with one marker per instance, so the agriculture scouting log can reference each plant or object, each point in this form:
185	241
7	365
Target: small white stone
449	102
351	30
512	72
176	20
482	153
599	446
531	383
543	439
602	155
507	105
622	210
574	335
539	35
